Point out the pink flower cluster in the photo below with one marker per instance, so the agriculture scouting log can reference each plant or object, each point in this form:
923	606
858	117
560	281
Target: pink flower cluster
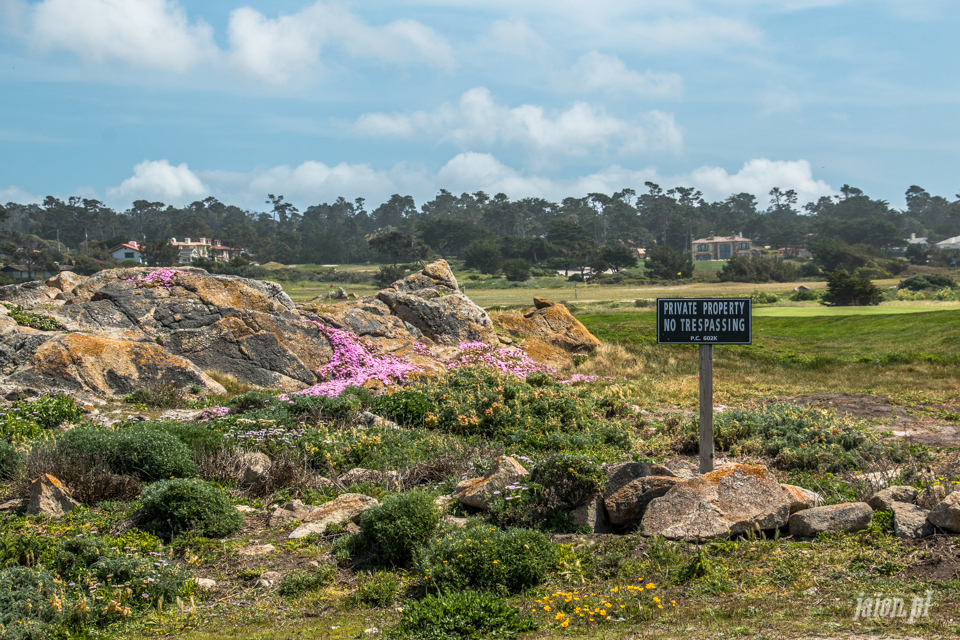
514	363
160	277
354	363
215	413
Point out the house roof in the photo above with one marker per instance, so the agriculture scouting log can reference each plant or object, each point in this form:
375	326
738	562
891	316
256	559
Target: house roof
724	239
949	241
124	246
16	267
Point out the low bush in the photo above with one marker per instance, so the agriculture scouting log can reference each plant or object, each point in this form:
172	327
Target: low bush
300	582
33	320
844	290
805	296
461	616
160	395
35	419
401	525
922	281
199	438
796	438
31	605
143	451
528	419
763	297
174	507
388	274
88	475
11	461
407	408
334	450
486	558
379	589
757	269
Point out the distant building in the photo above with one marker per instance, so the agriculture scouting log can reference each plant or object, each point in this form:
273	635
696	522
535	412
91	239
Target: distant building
205	248
127	251
950	244
21	272
915	240
721	247
796	252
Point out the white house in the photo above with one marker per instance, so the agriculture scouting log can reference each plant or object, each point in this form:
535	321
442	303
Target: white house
950	243
127	251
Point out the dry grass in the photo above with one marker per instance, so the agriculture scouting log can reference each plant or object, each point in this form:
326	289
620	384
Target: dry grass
231	384
288	471
88	478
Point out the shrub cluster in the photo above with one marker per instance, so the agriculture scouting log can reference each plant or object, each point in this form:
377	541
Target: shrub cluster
923	281
174	507
144	451
486	558
844	290
757	269
403	407
796	438
528	417
401	525
34	419
461	616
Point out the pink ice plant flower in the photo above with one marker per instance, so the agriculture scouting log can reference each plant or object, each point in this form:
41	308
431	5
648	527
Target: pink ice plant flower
511	362
355	363
160	277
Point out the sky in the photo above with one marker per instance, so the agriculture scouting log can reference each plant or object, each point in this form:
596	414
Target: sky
177	100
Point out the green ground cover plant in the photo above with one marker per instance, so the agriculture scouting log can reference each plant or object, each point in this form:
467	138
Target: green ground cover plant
33	320
401	525
461	616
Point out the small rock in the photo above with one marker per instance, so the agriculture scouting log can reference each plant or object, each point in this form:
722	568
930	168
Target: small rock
946	514
13	505
455	521
270	578
682	468
626	504
242	508
206	583
348	506
477	492
934	494
257	550
801	498
372	631
883	500
256	466
443	502
359	476
50	497
910	521
290	512
592	514
848	517
812	591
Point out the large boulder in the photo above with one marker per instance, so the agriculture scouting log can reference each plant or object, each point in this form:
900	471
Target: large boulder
106	366
65	281
431	302
946	514
478	492
848	517
551	323
732	500
593	515
934	494
631	486
349	506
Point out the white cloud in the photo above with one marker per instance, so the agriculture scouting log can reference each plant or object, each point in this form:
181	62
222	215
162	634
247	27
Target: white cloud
704	33
274	49
597	71
149	33
514	37
758	176
779	99
18	195
161	181
477	119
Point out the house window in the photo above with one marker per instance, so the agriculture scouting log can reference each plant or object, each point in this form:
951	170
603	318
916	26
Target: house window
128	255
703	247
724	252
744	246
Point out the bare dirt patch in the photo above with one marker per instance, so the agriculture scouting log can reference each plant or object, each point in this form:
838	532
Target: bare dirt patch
940	559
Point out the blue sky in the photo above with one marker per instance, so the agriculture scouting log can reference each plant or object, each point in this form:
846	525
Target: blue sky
175	100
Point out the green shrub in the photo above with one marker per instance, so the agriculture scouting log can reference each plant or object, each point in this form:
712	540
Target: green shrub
796	438
143	451
251	400
330	449
30	603
199	438
401	525
805	296
11	461
300	582
50	411
486	558
388	274
481	402
160	395
757	269
763	297
33	320
407	408
174	507
517	269
844	290
378	589
922	281
461	616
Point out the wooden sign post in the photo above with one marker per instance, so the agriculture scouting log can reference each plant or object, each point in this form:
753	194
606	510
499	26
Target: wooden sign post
705	322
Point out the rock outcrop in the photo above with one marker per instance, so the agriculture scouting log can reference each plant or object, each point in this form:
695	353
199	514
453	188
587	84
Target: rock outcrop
477	492
548	332
48	496
126	328
732	500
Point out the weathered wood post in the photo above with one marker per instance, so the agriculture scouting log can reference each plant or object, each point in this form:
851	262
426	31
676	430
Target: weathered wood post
706	408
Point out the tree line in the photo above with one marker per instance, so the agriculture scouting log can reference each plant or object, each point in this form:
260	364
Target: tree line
573	233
